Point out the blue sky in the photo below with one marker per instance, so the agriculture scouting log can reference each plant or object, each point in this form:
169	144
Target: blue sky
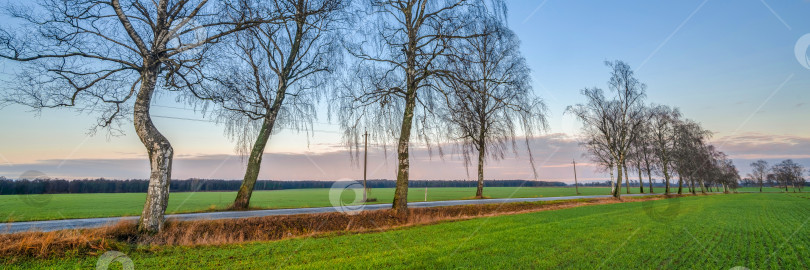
727	64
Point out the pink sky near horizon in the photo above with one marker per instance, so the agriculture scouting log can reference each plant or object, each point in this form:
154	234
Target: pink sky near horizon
552	154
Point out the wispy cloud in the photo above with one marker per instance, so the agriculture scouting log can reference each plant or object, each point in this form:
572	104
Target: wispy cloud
558	150
748	147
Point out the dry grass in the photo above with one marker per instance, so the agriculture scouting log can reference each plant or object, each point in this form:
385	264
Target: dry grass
230	231
45	244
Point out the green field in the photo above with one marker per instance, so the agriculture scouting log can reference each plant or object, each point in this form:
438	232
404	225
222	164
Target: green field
65	206
709	232
764	189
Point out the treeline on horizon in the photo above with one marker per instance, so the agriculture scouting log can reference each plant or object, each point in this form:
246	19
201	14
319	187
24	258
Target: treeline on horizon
101	185
61	186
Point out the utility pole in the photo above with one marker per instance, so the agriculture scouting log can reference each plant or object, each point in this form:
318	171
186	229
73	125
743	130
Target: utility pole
365	167
576	185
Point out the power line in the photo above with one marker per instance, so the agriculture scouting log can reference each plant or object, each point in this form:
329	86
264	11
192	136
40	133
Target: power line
202	120
210	121
194	110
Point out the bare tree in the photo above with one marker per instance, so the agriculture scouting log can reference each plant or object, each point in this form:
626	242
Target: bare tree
731	176
636	161
759	172
688	152
724	173
662	125
280	69
688	141
789	173
616	122
488	93
643	156
108	56
395	77
770	179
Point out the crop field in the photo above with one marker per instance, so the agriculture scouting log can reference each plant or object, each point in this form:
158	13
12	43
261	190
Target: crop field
66	206
706	232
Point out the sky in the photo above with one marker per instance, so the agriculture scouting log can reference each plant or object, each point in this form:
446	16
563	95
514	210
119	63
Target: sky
733	66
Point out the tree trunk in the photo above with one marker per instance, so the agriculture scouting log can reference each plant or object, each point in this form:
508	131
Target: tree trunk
617	192
694	188
702	186
400	204
626	175
365	169
649	178
160	154
242	200
479	193
254	164
576	184
640	180
612	181
680	184
666	178
688	185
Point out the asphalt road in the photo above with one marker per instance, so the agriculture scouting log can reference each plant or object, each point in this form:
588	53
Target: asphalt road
54	225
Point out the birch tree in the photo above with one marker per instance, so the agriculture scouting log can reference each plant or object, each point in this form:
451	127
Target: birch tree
688	141
759	172
616	121
643	155
392	90
280	70
489	94
662	125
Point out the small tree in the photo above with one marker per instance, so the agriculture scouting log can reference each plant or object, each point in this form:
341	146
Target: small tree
759	172
789	173
689	140
392	90
644	153
614	123
279	70
641	156
488	93
662	124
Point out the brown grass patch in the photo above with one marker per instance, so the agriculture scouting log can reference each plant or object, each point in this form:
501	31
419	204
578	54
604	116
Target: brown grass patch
230	231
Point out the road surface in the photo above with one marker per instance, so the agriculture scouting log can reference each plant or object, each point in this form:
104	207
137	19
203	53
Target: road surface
54	225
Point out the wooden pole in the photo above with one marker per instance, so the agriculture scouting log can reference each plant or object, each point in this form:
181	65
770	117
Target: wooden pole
576	185
365	167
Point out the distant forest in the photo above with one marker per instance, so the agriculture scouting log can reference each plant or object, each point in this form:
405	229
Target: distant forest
55	186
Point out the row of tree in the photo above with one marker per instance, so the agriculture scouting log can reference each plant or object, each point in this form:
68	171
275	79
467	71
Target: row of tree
786	174
440	70
623	134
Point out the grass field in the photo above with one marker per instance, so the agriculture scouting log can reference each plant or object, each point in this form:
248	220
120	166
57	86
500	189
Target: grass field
708	232
65	206
764	189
